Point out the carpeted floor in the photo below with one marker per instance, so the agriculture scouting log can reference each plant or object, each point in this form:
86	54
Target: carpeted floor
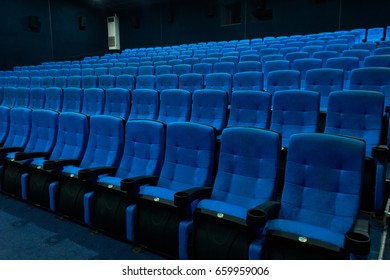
28	232
31	233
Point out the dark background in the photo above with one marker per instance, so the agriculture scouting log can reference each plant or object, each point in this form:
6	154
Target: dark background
148	23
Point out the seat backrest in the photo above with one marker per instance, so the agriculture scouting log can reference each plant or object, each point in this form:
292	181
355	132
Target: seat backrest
245	66
20	127
167	81
53	98
375	34
275	65
377	61
22	97
175	105
209	106
224	67
146	70
372	78
24	82
189	156
323	181
304	64
145	82
144	149
130	70
251	80
145	104
202	68
74	81
283	80
219	81
44	128
61	81
105	143
324	81
125	81
379	51
115	71
73	100
163	69
37	98
93	101
250	108
117	102
106	81
356	113
4	123
90	81
8	96
294	111
248	167
325	55
191	81
71	139
180	69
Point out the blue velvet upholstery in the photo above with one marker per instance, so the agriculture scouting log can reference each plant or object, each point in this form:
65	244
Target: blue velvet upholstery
8	96
250	108
356	113
175	105
275	65
304	64
191	81
294	111
125	81
37	98
117	103
325	55
20	127
372	78
53	98
22	97
180	69
93	101
347	64
250	80
163	69
209	106
145	104
167	81
323	183
283	80
4	123
73	100
220	81
61	81
246	177
224	67
324	81
107	81
375	34
245	66
74	81
377	61
202	68
145	82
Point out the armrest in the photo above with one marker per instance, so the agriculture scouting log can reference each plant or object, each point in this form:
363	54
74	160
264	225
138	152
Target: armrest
357	241
23	156
184	198
57	164
380	153
387	109
5	150
90	173
258	216
135	182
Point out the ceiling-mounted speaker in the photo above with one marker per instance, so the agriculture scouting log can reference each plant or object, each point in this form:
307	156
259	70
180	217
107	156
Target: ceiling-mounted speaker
82	23
34	24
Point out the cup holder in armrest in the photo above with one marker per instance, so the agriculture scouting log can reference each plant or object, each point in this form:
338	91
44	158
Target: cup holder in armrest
357	243
255	217
181	198
49	164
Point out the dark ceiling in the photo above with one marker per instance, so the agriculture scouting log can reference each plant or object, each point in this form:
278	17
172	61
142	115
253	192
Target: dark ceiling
123	4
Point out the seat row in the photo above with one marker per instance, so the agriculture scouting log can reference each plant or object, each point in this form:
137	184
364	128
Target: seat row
154	185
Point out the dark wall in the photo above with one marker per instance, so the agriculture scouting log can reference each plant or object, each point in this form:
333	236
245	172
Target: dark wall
58	37
166	23
195	21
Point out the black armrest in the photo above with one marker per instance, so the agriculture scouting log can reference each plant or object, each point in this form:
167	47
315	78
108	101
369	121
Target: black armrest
357	241
381	153
258	216
129	184
5	150
23	156
93	173
56	164
184	198
387	109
